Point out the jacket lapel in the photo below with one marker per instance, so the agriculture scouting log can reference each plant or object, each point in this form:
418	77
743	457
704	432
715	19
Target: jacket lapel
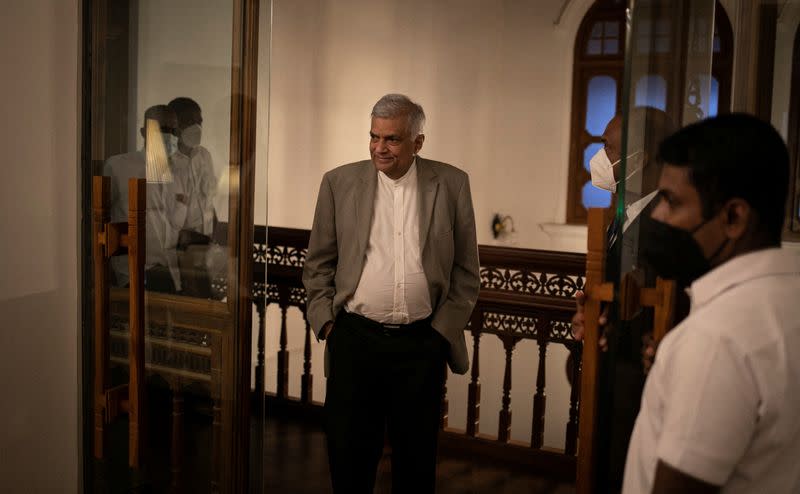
428	183
364	204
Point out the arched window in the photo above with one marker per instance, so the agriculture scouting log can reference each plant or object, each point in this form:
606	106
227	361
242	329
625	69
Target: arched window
598	79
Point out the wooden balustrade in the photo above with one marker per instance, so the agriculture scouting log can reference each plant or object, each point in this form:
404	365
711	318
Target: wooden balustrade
525	294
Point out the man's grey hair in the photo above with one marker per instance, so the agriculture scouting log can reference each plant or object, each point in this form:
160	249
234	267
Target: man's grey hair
398	105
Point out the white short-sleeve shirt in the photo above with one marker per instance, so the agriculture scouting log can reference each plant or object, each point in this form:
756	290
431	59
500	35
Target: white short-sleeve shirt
722	401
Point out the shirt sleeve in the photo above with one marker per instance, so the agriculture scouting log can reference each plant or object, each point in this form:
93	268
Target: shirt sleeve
711	407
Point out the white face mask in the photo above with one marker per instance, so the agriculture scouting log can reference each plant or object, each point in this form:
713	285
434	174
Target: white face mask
190	136
602	170
170	143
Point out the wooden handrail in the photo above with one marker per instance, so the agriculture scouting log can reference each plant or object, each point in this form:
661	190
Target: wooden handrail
525	294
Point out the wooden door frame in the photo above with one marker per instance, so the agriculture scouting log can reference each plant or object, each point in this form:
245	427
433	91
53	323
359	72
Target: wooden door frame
791	232
234	474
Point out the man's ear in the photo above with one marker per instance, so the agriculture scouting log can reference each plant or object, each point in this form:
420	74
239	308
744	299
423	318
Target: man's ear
418	143
738	216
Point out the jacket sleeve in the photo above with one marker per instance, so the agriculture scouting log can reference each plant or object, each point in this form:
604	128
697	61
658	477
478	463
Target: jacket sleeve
319	270
465	280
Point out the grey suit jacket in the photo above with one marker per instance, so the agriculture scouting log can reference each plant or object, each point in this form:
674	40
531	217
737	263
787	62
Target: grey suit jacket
448	244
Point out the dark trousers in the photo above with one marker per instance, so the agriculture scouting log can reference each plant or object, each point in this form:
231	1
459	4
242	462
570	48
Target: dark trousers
383	380
159	279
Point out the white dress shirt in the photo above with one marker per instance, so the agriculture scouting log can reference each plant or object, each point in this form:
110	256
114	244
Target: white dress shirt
393	288
722	401
194	177
161	237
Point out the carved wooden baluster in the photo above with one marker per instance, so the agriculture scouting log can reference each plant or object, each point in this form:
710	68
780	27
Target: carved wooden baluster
101	190
283	354
177	440
283	359
540	398
571	445
306	389
262	327
474	388
504	430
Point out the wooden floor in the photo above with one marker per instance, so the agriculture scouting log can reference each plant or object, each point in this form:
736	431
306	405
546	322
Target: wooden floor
295	461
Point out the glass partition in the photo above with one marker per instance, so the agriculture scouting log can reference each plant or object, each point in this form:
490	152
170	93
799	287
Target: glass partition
668	83
173	103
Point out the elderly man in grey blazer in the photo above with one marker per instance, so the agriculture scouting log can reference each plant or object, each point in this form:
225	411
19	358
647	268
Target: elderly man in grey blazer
392	276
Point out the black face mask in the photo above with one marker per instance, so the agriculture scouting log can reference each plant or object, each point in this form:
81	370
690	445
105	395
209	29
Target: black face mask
673	253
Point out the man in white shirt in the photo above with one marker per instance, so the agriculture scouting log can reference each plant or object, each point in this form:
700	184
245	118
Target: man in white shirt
161	264
721	404
392	277
195	186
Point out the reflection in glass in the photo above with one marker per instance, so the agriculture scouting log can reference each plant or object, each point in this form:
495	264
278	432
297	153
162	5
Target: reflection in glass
651	90
164	113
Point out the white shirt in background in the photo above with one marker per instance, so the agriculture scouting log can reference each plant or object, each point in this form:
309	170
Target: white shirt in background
161	238
722	401
393	288
194	177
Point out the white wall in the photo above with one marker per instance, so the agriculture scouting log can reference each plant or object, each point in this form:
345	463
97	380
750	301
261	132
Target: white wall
39	286
493	76
495	79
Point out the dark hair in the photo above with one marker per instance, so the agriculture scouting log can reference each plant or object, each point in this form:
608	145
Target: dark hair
734	155
183	106
157	112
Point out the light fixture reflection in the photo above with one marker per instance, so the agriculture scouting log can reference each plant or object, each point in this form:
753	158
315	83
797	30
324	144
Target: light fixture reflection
158	171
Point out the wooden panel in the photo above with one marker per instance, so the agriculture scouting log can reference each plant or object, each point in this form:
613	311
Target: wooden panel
236	390
767	31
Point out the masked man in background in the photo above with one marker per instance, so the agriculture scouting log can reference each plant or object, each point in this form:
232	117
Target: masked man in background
159	131
195	187
622	367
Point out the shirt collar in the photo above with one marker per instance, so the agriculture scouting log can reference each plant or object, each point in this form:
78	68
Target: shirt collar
741	269
408	177
633	210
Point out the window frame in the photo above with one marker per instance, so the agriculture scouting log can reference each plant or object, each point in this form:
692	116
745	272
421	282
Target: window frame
587	66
